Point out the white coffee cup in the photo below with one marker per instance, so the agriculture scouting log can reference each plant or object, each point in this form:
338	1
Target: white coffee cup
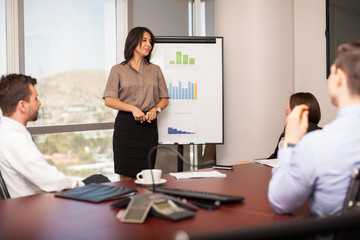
145	175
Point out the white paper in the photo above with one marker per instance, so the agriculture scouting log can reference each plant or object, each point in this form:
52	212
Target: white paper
206	174
266	162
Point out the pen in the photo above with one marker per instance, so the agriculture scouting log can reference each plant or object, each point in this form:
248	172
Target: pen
223	167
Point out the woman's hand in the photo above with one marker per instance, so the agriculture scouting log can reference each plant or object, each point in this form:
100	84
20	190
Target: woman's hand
138	115
151	115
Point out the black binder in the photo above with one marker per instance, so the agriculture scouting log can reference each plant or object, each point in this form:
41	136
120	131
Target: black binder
96	193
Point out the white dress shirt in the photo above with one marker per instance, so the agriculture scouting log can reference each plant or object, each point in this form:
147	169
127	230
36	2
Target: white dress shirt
319	167
22	165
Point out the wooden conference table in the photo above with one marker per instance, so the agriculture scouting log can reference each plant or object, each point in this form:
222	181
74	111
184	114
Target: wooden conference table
44	216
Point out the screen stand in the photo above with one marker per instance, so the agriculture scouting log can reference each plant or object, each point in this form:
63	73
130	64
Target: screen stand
180	162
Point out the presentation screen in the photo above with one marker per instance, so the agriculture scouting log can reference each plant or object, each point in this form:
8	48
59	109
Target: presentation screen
193	70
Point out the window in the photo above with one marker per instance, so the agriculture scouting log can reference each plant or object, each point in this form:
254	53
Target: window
342	24
79	154
201	17
2	38
70	47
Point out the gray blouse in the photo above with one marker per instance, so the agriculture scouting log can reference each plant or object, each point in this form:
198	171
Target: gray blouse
142	89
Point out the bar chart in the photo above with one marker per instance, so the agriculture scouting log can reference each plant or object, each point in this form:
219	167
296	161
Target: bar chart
193	72
180	92
172	130
184	59
181	125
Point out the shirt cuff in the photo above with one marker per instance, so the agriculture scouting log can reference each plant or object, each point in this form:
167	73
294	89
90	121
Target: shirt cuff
285	155
80	183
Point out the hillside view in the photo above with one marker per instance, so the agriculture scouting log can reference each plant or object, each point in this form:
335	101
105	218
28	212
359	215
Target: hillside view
73	97
76	97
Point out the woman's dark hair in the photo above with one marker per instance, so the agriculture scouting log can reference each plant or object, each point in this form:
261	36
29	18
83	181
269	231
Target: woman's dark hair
309	100
133	39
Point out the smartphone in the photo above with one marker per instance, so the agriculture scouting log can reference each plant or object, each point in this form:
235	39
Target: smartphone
207	205
227	167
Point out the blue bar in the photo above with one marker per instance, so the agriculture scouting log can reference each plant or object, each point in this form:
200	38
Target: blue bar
189	92
170	90
191	87
176	131
179	92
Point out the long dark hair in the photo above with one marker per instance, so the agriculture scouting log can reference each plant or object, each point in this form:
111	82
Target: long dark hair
309	100
133	39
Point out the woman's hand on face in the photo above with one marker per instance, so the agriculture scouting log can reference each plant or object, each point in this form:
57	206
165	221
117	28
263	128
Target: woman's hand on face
139	115
150	115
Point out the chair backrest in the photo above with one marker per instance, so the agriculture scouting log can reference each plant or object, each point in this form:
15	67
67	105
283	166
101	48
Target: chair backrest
352	199
351	205
4	194
345	226
302	229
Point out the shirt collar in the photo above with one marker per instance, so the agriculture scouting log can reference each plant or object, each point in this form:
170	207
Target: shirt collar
349	110
12	123
142	63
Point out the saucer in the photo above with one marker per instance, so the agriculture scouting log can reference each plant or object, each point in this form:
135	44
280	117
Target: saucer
162	181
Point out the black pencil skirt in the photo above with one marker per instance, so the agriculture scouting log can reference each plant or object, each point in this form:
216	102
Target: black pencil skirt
132	141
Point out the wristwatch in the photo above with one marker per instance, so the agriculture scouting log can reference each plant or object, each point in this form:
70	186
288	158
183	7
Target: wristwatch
284	144
158	110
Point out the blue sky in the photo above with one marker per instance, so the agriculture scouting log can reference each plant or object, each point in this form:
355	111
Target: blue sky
66	35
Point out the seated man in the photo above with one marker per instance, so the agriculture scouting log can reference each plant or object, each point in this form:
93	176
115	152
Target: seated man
22	165
318	166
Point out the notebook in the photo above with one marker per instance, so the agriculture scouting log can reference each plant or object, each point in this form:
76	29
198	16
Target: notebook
96	193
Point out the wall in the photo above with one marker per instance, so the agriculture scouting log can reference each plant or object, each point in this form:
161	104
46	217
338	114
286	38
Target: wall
271	49
310	53
209	17
259	74
163	17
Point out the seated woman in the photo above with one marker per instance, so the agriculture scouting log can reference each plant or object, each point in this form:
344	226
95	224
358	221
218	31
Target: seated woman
314	113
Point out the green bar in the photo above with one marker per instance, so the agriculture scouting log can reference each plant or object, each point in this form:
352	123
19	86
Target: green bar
178	57
185	59
172	62
192	61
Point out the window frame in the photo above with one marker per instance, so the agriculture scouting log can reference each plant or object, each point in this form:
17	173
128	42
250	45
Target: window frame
16	52
16	59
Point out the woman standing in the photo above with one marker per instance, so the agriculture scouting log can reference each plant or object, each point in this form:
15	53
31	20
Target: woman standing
138	90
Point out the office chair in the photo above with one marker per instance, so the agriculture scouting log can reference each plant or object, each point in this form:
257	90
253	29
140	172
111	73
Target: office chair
351	204
303	229
352	199
342	227
4	194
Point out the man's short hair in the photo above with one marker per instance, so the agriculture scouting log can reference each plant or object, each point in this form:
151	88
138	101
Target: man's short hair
14	88
348	60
